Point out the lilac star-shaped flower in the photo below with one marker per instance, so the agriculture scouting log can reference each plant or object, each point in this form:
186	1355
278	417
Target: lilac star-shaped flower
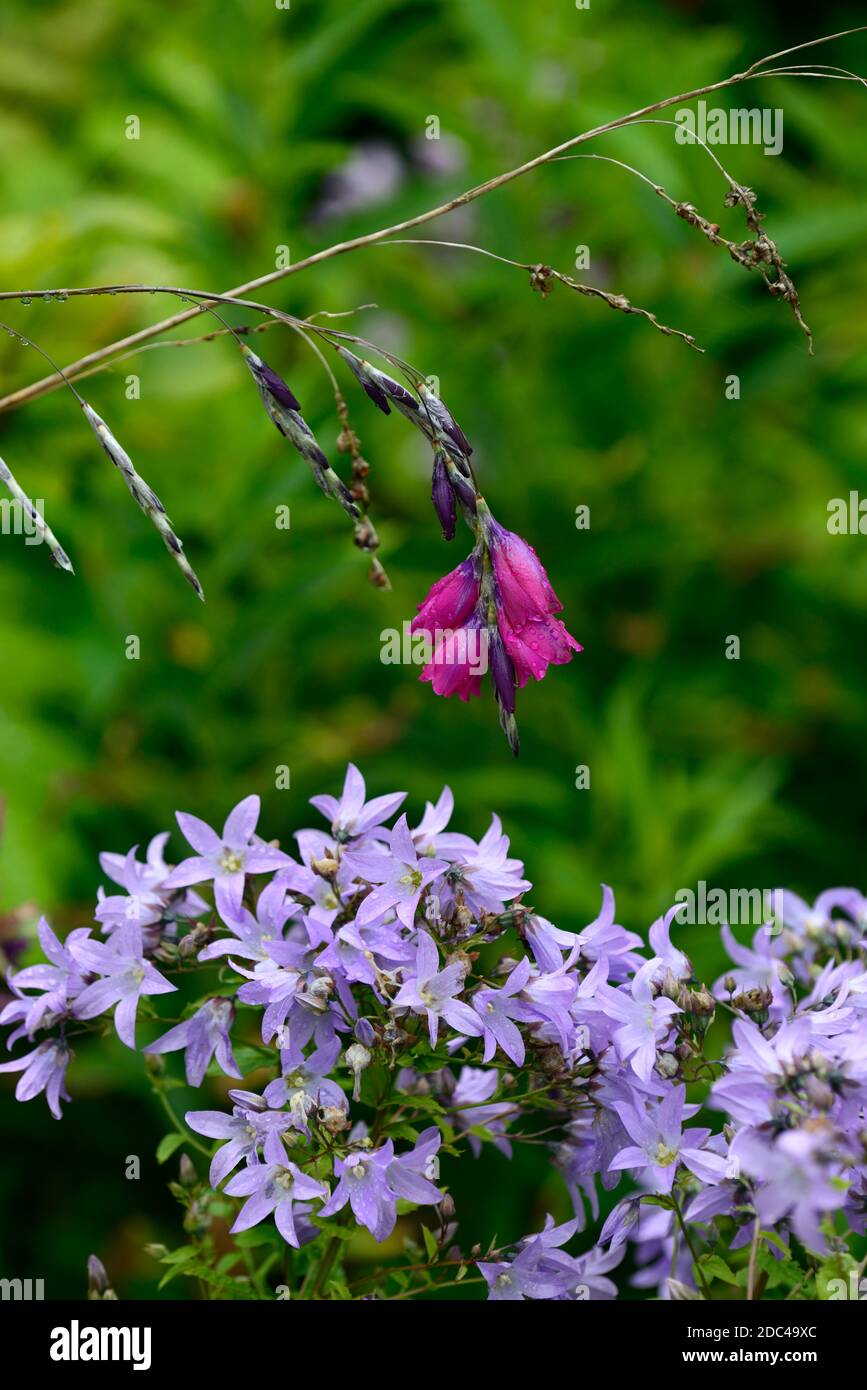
401	878
272	1188
226	858
204	1034
352	816
363	1183
497	1008
660	1145
126	976
433	991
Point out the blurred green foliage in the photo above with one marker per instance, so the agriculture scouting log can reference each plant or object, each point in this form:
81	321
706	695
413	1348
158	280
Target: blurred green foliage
708	515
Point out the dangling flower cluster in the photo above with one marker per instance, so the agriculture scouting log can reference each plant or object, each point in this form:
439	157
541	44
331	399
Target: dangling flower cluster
495	612
398	1001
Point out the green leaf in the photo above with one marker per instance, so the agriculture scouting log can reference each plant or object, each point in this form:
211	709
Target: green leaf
167	1146
430	1244
833	1271
714	1267
258	1235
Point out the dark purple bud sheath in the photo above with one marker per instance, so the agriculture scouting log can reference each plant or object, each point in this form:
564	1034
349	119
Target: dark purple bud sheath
443	419
364	373
463	489
443	497
268	380
502	670
284	411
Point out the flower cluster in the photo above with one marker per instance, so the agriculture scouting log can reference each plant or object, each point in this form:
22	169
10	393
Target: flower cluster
387	999
495	611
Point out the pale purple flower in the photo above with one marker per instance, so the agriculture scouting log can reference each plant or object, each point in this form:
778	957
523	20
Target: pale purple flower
146	899
401	877
644	1020
591	1269
273	1188
539	1270
305	1084
352	816
363	1182
252	937
44	1069
484	873
203	1036
497	1008
125	977
797	1178
248	1128
432	992
412	1175
471	1106
141	902
660	1144
226	858
60	980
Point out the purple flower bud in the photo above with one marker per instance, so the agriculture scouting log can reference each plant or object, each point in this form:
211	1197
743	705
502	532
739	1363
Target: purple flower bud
443	497
502	670
443	419
462	487
364	1032
268	381
364	374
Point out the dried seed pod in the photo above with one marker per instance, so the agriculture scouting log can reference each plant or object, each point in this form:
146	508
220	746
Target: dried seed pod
143	495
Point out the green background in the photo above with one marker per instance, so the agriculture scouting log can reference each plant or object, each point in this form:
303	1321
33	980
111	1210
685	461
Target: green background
708	515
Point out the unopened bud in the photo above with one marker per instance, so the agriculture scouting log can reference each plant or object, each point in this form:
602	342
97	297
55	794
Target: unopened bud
819	1092
98	1286
187	1175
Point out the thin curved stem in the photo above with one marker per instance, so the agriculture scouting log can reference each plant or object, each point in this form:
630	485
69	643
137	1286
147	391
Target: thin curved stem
46	384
